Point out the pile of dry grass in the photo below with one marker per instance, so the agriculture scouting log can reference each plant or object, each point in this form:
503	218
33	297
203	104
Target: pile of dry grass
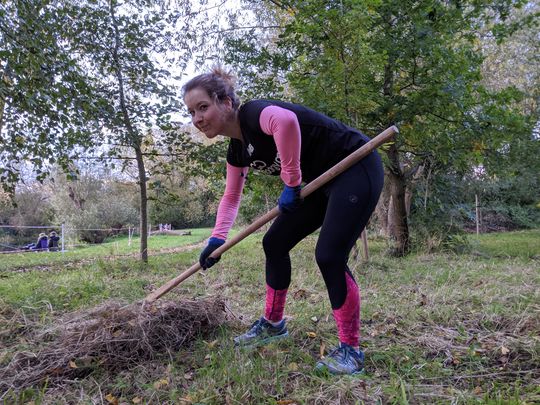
111	337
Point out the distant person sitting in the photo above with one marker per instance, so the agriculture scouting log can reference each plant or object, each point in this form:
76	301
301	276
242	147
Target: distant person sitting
42	243
53	241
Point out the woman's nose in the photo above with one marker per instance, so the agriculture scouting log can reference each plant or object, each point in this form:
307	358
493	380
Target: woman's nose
197	117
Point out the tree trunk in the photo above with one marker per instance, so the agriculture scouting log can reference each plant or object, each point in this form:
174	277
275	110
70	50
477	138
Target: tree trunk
6	79
398	211
144	204
381	210
133	135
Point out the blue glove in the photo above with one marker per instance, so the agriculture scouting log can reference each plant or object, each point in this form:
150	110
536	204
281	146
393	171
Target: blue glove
290	198
204	260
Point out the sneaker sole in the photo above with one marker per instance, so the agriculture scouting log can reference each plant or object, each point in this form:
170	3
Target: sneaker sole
261	342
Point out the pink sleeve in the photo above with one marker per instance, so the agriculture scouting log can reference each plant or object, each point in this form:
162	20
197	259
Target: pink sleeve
283	125
230	201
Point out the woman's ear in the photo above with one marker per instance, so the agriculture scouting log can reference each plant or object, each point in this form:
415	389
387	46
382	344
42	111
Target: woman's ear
227	102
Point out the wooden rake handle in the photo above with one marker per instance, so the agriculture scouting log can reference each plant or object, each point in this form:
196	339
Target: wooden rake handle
324	178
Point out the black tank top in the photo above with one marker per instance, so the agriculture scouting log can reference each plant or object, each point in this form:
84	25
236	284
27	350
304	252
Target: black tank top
325	141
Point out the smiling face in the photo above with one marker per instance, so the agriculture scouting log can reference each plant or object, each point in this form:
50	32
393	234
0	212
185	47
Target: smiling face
208	116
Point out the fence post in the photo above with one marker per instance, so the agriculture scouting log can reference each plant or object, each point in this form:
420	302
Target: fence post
477	214
365	243
62	237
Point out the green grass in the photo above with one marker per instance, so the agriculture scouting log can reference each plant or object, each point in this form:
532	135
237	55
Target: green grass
524	244
436	328
113	247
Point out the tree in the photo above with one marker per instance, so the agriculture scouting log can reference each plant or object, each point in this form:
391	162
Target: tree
126	50
374	63
48	110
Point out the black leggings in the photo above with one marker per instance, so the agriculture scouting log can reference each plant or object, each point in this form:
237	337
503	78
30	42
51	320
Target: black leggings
342	209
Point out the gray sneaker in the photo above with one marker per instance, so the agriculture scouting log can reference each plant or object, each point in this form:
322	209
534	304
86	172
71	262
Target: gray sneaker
261	333
342	360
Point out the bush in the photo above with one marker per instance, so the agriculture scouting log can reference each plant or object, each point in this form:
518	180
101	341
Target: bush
93	207
102	219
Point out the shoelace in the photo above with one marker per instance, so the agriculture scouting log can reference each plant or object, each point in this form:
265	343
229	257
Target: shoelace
341	353
256	327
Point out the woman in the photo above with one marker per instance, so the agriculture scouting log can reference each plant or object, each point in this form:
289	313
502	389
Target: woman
53	241
298	144
42	243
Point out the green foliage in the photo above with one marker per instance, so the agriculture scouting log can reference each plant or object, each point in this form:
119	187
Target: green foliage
376	63
438	216
81	74
260	195
92	205
48	110
184	203
28	207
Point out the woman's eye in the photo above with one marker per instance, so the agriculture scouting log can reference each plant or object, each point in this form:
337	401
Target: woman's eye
203	107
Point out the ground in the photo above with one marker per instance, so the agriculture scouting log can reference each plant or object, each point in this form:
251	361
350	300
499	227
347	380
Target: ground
436	328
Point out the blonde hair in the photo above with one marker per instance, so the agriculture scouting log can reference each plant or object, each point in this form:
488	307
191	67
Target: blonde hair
218	84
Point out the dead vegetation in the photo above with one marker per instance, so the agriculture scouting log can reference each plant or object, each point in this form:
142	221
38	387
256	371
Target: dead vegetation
111	337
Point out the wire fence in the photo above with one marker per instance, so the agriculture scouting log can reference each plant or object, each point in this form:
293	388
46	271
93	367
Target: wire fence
62	238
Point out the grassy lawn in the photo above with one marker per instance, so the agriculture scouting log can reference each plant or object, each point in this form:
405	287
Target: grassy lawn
436	328
113	247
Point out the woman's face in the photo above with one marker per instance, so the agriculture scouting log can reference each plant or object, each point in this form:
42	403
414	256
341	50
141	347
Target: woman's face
208	116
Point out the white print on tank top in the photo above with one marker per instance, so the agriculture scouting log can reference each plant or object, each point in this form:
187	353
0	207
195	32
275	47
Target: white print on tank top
274	168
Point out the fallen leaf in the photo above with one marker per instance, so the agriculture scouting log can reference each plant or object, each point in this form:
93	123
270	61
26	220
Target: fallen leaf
286	402
322	349
505	350
300	294
315	319
72	364
136	400
363	385
56	371
212	344
292	366
161	383
477	390
188	376
312	334
111	399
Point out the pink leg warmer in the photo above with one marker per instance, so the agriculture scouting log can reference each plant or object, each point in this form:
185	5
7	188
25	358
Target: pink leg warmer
275	304
348	316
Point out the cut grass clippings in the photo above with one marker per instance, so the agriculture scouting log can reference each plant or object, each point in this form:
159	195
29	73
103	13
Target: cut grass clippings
436	328
115	336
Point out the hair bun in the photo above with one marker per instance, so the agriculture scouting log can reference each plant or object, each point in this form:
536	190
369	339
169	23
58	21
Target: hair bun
224	75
